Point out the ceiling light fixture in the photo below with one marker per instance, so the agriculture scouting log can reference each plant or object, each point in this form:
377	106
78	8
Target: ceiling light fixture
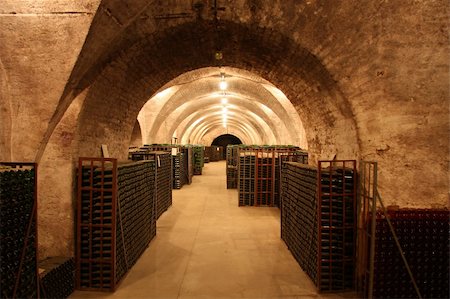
224	101
223	84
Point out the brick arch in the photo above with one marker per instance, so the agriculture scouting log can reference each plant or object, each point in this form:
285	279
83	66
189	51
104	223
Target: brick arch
214	134
124	86
136	137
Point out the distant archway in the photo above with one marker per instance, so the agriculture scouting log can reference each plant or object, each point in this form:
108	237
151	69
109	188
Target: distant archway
224	140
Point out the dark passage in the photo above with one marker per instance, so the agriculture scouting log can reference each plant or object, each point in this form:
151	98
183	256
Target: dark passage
224	140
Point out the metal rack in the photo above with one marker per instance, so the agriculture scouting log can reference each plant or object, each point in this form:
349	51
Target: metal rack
366	223
259	174
18	214
115	219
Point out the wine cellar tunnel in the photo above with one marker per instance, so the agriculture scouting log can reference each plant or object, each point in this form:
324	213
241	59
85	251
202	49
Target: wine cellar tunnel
226	139
348	80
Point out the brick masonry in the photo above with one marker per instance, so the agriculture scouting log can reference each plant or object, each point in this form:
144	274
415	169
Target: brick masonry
369	79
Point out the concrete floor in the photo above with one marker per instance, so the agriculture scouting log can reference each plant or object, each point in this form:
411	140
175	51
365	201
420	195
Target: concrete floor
208	247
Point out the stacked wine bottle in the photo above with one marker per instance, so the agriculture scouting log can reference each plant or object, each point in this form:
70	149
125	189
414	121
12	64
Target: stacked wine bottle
116	219
247	169
208	154
232	166
259	173
198	153
318	220
179	175
424	237
188	164
163	182
18	235
57	279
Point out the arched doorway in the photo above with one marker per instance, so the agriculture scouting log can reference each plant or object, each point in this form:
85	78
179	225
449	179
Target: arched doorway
224	140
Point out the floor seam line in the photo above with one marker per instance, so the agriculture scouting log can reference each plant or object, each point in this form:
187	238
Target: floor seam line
192	248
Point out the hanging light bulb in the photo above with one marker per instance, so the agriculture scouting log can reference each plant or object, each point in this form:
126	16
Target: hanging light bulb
223	85
224	101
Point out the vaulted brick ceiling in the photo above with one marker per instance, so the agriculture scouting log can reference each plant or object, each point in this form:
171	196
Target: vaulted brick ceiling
368	79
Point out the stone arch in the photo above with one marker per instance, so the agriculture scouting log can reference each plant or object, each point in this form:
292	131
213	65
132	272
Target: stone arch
136	136
228	138
141	70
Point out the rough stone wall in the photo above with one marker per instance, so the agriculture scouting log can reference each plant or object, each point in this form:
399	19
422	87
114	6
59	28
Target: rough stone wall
369	78
350	78
39	45
57	186
136	137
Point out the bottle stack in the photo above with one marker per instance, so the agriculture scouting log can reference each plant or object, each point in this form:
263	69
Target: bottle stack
198	154
247	169
208	154
163	181
424	237
18	231
232	166
116	219
179	175
259	173
216	153
57	279
188	163
318	220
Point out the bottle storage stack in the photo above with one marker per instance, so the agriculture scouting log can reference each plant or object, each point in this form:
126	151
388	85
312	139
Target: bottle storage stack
188	163
258	181
197	155
216	153
424	237
18	230
318	220
232	166
163	181
158	147
208	154
144	153
299	156
179	171
57	277
115	219
222	153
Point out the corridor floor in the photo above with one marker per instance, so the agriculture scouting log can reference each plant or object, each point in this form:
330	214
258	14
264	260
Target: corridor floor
208	247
